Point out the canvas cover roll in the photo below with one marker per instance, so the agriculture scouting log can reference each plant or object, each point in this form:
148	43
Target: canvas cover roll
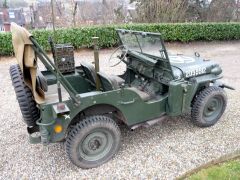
26	59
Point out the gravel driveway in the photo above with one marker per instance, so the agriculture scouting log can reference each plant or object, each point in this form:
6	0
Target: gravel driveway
165	150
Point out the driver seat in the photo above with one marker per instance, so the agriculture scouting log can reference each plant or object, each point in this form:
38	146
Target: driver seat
110	82
89	71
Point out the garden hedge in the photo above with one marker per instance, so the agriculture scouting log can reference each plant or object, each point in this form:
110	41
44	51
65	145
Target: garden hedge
81	37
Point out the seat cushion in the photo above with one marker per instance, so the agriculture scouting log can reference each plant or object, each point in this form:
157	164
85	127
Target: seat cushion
89	70
117	81
110	82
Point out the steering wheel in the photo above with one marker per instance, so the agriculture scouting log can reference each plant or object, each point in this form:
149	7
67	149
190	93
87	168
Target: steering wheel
118	54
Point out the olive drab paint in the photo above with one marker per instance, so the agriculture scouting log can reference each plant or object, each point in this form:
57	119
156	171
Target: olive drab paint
154	85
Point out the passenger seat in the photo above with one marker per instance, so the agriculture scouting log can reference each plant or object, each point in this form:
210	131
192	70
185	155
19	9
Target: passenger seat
110	82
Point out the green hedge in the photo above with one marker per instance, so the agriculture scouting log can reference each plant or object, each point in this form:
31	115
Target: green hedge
81	37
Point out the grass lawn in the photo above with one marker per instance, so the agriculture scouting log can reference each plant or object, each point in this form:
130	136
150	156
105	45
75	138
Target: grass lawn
226	171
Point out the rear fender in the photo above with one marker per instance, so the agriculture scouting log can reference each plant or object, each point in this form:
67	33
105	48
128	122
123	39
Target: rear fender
99	109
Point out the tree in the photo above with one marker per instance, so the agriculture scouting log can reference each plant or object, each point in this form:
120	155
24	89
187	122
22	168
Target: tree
160	10
5	4
238	10
119	14
197	10
221	10
74	13
186	10
13	3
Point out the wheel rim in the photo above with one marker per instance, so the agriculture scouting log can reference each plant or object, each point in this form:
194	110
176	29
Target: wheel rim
96	145
213	108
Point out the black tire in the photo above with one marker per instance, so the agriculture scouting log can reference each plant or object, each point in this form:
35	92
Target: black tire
85	143
208	106
26	102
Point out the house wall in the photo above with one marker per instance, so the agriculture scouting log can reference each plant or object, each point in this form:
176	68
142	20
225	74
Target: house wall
11	15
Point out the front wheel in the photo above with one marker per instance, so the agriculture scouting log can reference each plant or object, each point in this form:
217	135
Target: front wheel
208	106
93	141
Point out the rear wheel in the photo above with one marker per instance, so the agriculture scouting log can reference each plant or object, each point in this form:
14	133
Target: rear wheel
24	95
208	106
93	141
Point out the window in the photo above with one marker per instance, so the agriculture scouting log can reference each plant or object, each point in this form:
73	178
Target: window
2	28
11	15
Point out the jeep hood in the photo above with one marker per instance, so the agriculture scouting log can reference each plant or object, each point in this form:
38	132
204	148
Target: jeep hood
187	67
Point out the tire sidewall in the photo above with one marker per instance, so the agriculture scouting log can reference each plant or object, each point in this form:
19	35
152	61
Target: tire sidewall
83	133
205	101
198	117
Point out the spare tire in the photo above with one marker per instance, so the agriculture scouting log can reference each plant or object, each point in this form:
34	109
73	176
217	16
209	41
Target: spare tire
26	102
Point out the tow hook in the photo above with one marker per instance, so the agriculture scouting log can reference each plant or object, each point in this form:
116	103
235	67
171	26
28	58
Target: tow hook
44	133
44	136
34	136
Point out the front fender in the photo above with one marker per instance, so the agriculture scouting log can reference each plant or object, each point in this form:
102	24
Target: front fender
195	85
182	93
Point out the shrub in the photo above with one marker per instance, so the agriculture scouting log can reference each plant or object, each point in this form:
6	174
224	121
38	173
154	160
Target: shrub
81	37
6	47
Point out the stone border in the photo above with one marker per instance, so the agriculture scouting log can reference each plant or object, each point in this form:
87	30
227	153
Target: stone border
222	159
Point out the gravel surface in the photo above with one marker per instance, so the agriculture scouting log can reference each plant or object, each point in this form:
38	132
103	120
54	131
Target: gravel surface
163	151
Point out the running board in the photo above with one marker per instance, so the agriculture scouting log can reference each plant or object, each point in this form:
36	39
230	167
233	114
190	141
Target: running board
149	123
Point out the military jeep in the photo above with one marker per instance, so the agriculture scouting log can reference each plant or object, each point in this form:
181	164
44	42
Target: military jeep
83	106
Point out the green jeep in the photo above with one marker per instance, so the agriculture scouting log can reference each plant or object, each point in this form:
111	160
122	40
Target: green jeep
84	107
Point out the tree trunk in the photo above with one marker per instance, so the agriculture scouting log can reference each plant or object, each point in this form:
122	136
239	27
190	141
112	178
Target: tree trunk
74	14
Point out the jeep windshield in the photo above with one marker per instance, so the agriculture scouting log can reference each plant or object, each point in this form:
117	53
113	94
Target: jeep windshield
142	42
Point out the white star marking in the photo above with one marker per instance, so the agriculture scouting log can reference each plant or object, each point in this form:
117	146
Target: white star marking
66	116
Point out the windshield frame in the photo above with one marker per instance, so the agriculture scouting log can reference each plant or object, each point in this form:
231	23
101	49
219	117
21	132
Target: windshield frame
161	50
162	61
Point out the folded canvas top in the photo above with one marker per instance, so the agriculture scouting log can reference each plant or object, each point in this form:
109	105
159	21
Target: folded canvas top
26	59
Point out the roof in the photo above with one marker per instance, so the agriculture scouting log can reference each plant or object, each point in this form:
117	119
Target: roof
16	15
12	15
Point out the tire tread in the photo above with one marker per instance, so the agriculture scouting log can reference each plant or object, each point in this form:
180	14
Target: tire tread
24	95
80	127
198	103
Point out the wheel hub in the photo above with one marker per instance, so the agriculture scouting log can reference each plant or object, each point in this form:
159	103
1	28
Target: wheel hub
213	108
96	145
